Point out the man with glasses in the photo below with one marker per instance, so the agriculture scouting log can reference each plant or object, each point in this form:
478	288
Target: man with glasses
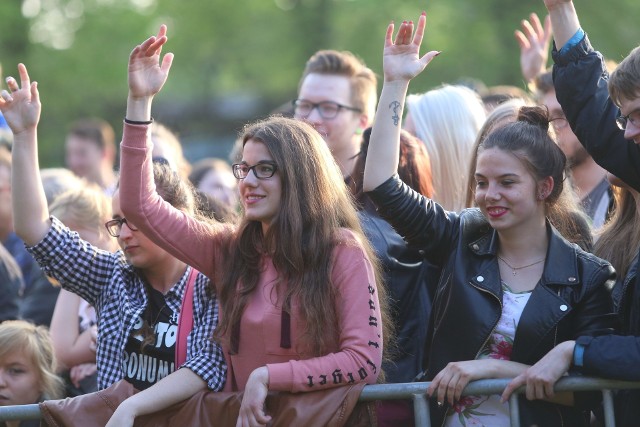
337	96
588	178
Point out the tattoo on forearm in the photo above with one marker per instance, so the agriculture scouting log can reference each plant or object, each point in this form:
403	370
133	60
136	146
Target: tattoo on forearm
395	106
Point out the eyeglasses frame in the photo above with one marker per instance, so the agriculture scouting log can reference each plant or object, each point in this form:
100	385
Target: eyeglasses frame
253	168
120	222
316	105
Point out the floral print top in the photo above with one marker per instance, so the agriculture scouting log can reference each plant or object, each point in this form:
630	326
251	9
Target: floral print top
487	410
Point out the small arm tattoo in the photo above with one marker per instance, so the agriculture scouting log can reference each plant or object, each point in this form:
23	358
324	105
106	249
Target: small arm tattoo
395	106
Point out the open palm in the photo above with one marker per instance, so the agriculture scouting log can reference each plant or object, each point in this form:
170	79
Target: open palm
147	74
401	58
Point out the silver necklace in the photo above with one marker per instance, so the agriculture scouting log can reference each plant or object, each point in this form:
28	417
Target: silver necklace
514	270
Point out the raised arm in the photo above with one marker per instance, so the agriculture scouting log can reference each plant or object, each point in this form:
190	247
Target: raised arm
139	199
401	63
564	20
534	41
20	106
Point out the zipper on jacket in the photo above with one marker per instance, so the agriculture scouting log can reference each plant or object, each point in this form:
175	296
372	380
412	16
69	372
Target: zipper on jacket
495	323
444	419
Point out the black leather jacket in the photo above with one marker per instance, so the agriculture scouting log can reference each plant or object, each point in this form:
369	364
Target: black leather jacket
570	300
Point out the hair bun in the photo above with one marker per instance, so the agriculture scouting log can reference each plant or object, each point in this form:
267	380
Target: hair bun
537	116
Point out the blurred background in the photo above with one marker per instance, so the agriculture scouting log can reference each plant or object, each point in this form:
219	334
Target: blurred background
238	60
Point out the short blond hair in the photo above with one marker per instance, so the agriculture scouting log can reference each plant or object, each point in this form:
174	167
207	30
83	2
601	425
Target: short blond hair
34	343
364	83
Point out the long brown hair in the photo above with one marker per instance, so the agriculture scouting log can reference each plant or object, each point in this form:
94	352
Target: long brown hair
625	223
315	206
414	166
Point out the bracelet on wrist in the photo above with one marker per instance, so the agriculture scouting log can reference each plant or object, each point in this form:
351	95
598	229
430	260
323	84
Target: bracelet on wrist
136	122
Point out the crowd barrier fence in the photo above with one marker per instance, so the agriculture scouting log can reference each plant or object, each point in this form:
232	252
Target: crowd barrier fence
417	393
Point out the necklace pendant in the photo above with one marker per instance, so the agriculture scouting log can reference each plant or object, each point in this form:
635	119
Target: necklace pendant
514	272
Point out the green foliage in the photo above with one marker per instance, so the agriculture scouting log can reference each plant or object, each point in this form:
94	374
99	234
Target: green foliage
237	60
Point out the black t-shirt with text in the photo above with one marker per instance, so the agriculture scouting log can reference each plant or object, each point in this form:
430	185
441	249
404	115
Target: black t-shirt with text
144	368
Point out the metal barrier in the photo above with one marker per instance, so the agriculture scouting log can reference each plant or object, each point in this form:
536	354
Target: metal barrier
417	393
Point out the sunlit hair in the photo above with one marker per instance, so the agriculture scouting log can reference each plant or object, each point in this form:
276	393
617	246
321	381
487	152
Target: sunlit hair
414	166
56	181
34	344
167	140
364	83
624	82
315	206
529	140
447	120
618	250
87	206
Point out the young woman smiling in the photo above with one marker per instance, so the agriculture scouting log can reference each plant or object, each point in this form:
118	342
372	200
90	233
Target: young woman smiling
511	286
300	302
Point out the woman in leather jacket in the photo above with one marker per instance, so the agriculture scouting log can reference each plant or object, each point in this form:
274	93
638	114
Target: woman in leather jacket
511	286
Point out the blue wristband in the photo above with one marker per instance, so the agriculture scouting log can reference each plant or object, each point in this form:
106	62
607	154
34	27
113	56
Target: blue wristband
573	41
578	355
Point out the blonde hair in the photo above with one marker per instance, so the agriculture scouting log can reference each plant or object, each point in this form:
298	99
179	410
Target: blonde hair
88	206
447	120
34	343
364	83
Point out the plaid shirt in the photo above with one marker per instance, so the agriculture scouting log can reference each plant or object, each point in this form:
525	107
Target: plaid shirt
109	283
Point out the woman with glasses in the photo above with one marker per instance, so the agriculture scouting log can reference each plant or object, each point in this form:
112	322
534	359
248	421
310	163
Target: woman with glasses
301	304
137	291
511	287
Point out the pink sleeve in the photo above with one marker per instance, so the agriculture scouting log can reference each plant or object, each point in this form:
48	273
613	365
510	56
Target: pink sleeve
193	242
360	354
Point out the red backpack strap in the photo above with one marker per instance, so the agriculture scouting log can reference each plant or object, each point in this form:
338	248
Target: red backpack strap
185	321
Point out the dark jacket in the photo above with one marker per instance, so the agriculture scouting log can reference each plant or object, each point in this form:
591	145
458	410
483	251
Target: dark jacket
406	276
580	79
570	300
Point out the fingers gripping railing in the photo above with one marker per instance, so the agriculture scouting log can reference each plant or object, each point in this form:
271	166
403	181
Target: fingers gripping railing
417	393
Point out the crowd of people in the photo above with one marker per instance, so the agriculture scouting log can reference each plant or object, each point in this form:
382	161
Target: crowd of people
482	234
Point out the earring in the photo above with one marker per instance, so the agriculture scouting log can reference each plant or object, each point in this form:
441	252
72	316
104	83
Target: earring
541	196
358	131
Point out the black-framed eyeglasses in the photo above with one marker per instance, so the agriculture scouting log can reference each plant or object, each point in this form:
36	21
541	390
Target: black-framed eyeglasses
326	109
633	117
114	226
262	170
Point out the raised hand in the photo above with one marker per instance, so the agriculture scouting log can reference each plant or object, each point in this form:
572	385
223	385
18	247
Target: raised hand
147	74
534	41
20	105
449	383
401	58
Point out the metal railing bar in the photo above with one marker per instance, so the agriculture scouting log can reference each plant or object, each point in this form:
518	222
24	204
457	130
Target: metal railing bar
417	393
514	410
421	413
609	415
